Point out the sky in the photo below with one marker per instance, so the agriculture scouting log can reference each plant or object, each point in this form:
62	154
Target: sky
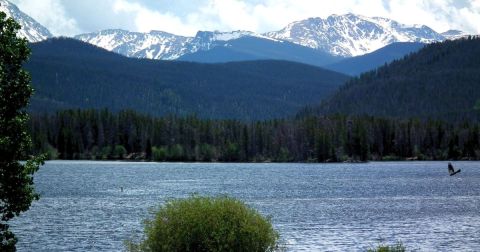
186	17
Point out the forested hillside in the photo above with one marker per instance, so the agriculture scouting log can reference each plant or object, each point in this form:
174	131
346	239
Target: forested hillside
93	134
254	48
364	63
68	73
440	81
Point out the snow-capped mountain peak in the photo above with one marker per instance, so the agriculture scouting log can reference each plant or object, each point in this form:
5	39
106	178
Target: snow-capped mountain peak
352	35
158	44
31	29
153	45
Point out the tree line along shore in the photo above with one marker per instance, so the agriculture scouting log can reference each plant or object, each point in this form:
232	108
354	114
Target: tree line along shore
128	135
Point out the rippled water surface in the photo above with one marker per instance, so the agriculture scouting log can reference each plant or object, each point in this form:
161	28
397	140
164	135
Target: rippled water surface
316	207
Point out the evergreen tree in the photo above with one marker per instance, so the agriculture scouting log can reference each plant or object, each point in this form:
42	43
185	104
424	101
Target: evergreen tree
148	150
16	179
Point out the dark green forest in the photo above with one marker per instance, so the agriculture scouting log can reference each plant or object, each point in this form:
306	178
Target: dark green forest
370	118
359	64
69	74
440	81
102	135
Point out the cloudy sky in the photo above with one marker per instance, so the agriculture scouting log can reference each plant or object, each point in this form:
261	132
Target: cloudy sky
185	17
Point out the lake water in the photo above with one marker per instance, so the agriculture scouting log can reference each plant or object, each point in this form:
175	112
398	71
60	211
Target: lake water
316	207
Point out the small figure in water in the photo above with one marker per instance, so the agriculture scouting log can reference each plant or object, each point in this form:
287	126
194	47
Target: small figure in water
121	188
450	168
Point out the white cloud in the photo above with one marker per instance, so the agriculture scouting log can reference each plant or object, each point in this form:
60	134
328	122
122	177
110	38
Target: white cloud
268	15
254	15
146	20
51	14
471	17
230	14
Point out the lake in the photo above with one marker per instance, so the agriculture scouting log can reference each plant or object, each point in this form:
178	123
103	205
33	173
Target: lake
316	207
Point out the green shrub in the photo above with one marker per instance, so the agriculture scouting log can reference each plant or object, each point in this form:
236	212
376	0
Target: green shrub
119	152
159	154
385	248
207	224
50	152
206	153
176	153
106	152
231	153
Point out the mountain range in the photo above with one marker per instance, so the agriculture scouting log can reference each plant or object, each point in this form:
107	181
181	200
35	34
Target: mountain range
353	35
158	44
326	41
68	73
338	35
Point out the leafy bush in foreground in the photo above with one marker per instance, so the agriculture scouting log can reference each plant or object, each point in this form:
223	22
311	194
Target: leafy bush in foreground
385	248
207	224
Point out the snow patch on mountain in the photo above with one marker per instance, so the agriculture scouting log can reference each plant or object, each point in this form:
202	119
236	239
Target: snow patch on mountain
31	29
226	36
352	35
153	45
157	44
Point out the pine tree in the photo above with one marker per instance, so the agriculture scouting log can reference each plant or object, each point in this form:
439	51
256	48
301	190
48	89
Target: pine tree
16	179
148	150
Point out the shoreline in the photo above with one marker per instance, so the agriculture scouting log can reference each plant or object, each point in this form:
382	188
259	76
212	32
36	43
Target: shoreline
251	162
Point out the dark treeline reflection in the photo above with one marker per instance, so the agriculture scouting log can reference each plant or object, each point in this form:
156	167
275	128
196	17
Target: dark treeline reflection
102	135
